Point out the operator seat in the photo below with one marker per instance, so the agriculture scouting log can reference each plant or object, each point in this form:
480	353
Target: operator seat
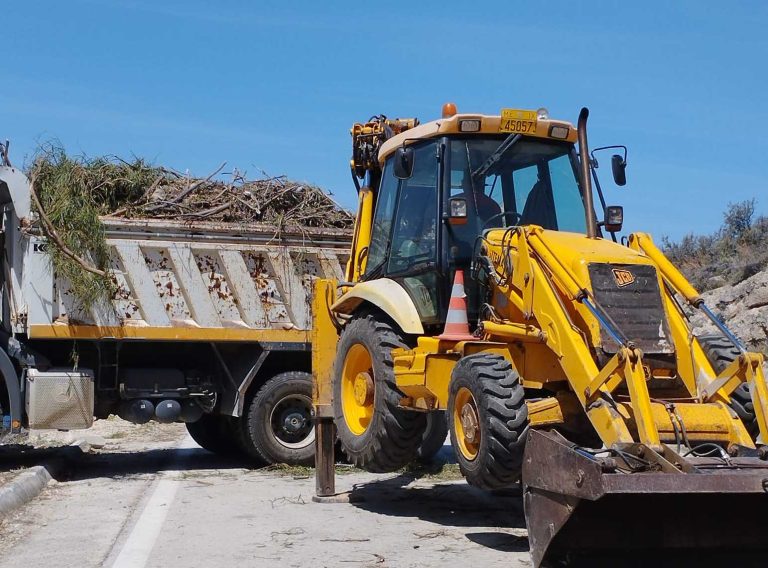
539	207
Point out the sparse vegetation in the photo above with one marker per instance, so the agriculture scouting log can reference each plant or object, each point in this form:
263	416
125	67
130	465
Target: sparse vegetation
303	471
736	251
436	471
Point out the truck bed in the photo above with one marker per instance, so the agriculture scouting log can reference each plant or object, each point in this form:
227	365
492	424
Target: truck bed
182	281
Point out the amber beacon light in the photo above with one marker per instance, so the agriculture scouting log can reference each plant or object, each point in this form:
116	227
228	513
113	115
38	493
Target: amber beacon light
449	109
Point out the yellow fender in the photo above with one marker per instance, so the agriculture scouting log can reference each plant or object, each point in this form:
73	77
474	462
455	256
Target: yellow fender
387	295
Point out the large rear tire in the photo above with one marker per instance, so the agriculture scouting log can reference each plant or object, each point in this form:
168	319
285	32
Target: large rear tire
375	433
488	420
721	352
215	433
277	426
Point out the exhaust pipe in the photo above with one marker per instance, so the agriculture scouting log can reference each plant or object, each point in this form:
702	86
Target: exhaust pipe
586	180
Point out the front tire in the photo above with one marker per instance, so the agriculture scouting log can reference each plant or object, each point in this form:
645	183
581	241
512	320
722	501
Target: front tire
488	420
375	433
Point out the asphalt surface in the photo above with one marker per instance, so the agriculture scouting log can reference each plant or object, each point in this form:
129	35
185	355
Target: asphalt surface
140	503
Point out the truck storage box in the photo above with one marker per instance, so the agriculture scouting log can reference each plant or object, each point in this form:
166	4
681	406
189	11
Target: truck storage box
60	399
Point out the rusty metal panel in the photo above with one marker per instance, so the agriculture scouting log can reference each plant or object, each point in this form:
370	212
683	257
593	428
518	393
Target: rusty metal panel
169	276
140	286
631	296
582	504
240	285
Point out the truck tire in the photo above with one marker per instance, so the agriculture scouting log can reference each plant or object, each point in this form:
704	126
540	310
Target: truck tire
488	420
215	433
375	433
278	425
434	436
721	352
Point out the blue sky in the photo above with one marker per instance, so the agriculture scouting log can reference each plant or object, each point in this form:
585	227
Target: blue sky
275	86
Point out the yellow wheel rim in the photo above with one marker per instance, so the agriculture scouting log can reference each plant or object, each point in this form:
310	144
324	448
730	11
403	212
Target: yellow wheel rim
466	423
357	389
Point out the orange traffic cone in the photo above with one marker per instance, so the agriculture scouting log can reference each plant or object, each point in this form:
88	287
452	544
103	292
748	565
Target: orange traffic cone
456	324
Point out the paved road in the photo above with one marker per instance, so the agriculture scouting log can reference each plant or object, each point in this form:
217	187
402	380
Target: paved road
177	505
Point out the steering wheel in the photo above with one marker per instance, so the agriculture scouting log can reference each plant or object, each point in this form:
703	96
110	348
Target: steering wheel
516	218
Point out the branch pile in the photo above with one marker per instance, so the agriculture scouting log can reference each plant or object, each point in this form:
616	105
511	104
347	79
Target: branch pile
136	189
72	193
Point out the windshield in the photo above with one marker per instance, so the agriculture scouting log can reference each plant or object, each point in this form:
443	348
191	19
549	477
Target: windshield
533	182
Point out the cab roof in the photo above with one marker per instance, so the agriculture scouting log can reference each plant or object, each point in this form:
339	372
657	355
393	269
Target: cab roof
489	124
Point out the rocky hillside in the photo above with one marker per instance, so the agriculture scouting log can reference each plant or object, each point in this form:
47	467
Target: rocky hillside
730	267
744	308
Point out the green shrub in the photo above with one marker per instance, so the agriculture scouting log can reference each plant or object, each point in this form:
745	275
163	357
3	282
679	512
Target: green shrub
736	251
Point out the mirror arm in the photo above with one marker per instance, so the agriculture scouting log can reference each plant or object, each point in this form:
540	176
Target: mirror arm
602	200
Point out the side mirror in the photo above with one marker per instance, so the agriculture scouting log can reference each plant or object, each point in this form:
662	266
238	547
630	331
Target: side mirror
403	167
619	168
457	211
614	218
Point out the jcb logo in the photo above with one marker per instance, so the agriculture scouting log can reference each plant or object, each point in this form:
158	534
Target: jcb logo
623	277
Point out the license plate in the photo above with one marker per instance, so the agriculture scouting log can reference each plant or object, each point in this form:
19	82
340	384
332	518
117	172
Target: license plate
519	121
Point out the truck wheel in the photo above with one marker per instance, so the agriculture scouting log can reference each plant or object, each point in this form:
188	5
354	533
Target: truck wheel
278	425
721	352
215	433
488	420
434	436
375	433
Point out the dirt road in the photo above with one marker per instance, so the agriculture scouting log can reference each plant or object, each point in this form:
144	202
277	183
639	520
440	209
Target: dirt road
152	498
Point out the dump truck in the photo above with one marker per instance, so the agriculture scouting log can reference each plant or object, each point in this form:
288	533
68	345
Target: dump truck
209	324
484	282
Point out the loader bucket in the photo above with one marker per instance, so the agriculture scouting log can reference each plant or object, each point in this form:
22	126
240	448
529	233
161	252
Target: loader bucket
586	510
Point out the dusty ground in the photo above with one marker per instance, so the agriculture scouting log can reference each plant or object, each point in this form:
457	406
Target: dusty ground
150	497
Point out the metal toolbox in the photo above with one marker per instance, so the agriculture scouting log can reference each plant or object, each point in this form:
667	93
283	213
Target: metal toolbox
60	399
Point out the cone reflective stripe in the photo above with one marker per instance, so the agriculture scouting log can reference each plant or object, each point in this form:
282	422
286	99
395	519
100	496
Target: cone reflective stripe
456	323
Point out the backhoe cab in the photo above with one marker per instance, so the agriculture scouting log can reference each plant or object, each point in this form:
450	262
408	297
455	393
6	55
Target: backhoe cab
483	284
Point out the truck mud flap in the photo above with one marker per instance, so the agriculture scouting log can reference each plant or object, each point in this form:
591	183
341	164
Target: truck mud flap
582	509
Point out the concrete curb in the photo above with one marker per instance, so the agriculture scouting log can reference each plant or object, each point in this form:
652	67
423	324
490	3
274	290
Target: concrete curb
30	482
24	487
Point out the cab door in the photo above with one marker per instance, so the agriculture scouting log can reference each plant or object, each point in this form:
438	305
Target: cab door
404	241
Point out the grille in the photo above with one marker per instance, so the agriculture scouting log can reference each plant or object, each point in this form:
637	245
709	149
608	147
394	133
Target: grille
630	295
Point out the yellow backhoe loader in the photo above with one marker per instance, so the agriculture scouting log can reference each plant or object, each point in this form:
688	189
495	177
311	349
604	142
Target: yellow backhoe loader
578	373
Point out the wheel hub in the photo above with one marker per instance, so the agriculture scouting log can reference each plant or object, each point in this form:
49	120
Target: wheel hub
291	421
294	422
363	389
469	423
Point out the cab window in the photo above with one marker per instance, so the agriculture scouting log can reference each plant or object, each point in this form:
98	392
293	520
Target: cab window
382	221
414	234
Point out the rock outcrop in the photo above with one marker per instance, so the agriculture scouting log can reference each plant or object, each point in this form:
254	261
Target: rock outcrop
743	307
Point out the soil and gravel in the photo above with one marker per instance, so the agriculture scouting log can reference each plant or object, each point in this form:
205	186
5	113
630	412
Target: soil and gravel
224	513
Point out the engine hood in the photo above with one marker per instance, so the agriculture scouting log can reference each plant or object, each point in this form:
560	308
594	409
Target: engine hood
576	251
624	283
